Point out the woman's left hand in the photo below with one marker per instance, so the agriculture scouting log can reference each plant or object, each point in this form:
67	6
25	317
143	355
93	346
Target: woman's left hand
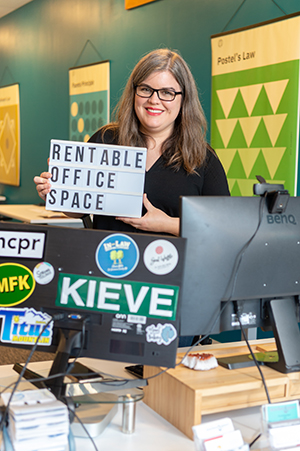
154	220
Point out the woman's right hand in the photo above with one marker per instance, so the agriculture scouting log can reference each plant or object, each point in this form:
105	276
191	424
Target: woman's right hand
43	185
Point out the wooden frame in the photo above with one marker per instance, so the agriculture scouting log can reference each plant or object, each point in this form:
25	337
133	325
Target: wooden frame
129	4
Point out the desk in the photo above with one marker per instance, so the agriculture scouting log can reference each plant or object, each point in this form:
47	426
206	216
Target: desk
202	393
35	214
152	432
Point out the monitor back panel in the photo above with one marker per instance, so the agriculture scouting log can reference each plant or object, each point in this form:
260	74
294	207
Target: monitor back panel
124	288
236	250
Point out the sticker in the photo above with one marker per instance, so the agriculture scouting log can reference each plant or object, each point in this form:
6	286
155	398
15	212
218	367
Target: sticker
139	329
161	257
117	255
16	284
22	244
128	324
122	297
247	319
23	326
137	319
43	273
162	334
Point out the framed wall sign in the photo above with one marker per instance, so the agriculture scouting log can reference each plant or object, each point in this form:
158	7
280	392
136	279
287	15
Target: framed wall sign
10	135
129	4
89	90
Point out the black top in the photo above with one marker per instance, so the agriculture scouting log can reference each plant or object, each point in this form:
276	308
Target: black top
164	186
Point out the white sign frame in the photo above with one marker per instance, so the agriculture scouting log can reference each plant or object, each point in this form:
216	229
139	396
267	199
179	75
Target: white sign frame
97	179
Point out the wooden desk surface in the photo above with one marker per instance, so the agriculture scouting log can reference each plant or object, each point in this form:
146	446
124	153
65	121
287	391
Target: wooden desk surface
36	214
152	432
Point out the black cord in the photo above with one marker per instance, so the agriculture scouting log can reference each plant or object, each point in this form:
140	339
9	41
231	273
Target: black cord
240	255
71	365
254	440
233	277
239	261
232	281
254	358
218	315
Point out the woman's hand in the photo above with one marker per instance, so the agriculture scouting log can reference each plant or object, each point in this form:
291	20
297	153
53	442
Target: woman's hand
154	220
43	185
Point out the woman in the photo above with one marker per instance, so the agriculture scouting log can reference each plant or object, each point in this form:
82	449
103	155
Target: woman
160	110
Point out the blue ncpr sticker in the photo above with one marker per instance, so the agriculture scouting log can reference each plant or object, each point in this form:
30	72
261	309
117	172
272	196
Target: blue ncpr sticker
117	255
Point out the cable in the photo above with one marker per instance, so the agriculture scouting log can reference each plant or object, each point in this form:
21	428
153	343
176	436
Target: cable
253	357
254	440
218	315
71	365
232	281
234	275
240	255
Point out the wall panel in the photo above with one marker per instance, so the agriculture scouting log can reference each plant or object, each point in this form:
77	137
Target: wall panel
42	40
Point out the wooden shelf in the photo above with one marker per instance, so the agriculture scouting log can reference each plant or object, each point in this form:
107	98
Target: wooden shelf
182	395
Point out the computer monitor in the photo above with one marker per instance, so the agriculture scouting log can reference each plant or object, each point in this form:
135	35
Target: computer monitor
115	294
240	258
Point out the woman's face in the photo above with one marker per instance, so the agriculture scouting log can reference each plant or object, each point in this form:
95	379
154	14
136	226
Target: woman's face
157	117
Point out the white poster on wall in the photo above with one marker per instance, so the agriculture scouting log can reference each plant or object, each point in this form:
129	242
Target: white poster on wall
97	179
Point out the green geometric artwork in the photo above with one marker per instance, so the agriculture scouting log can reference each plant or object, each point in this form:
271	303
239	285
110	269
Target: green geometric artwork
254	126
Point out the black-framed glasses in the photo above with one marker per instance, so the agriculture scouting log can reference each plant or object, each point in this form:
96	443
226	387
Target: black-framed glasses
166	95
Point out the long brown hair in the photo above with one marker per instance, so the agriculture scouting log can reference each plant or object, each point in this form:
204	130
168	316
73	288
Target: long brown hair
186	146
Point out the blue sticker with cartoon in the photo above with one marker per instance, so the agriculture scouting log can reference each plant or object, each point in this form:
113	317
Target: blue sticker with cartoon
117	255
161	334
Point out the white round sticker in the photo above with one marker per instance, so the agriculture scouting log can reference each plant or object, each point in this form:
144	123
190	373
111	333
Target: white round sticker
43	273
161	257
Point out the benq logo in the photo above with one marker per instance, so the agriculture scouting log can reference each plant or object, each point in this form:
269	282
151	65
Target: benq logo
281	219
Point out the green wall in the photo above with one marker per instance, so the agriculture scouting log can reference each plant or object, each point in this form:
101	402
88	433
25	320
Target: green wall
42	40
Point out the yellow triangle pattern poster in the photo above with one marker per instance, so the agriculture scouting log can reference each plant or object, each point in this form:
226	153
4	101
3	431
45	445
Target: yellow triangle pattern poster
10	135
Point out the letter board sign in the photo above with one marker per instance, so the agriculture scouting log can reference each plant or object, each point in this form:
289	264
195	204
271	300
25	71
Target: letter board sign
93	178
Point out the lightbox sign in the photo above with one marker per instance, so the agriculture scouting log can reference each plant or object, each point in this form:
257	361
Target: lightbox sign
124	297
93	178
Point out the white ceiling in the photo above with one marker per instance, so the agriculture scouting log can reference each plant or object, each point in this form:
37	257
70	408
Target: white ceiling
7	6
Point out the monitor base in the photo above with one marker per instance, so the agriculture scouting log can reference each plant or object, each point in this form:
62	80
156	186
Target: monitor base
95	418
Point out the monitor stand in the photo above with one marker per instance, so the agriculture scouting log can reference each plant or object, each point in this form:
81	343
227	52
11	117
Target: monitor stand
285	327
93	418
284	323
94	406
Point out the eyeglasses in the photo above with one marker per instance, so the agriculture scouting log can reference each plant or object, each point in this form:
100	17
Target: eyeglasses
166	95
